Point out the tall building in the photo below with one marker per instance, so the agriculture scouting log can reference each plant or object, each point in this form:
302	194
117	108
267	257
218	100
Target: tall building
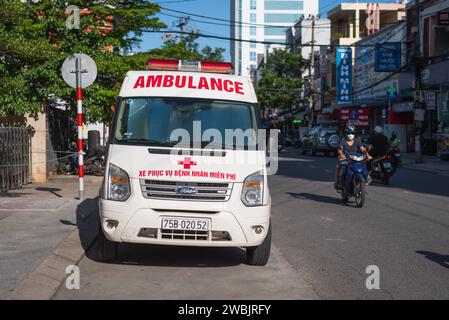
263	20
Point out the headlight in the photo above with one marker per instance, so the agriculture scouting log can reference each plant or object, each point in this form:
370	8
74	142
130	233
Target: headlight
252	194
118	184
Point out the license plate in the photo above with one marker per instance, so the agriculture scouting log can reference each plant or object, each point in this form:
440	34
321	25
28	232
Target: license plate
194	224
397	155
387	165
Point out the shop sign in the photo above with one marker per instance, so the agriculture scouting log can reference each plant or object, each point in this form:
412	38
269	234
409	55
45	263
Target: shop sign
344	75
403	107
354	116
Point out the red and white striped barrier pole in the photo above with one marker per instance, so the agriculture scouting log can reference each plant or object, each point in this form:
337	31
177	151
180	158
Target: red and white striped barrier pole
79	105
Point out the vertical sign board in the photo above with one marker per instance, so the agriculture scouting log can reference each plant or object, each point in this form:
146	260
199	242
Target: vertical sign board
344	75
388	57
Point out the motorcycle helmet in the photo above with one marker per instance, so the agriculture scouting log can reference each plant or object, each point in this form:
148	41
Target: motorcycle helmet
350	133
378	130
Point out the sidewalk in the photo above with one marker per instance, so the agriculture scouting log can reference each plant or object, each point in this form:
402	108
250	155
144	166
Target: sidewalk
35	220
430	164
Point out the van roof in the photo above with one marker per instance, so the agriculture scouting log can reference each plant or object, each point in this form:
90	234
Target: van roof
188	85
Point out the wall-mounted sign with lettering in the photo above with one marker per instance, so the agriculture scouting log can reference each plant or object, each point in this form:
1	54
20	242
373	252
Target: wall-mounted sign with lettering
344	75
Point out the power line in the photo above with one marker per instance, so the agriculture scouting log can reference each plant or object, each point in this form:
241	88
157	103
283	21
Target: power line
201	35
240	23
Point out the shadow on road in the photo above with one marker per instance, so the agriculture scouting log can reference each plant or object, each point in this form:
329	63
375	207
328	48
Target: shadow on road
442	260
53	191
87	220
175	256
315	197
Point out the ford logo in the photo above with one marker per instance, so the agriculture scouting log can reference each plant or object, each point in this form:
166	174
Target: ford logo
186	190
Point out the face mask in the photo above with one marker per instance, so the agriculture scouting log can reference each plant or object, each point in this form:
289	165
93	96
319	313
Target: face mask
351	137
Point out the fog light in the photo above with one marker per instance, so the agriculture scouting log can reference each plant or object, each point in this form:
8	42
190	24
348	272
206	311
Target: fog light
258	229
111	224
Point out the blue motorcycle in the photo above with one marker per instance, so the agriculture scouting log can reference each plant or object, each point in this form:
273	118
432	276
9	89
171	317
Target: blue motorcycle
355	179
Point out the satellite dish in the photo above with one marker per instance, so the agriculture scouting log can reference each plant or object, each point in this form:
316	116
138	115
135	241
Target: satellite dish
88	70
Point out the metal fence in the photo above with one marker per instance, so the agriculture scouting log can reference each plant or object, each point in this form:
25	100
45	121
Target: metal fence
15	158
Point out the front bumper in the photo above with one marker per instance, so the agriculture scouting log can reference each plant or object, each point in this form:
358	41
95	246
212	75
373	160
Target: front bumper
230	217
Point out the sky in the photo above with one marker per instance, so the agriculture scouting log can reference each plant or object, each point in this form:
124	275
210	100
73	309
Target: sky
211	8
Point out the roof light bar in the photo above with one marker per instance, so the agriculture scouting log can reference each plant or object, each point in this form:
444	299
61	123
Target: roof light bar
192	66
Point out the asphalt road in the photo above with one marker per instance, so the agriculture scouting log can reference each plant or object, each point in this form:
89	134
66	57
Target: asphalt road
321	248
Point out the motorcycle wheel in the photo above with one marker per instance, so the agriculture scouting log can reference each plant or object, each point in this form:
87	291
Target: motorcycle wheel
97	168
386	181
360	194
344	196
65	167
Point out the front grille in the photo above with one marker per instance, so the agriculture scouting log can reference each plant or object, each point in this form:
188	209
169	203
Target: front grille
172	234
184	235
155	189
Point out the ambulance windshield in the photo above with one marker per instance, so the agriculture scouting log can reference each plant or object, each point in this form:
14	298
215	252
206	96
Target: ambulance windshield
169	121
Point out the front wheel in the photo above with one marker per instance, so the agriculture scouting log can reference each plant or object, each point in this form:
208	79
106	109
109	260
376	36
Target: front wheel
258	256
107	250
344	196
360	193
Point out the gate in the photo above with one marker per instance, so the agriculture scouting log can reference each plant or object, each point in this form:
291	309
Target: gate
15	157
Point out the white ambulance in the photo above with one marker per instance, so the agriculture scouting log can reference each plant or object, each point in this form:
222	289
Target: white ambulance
170	179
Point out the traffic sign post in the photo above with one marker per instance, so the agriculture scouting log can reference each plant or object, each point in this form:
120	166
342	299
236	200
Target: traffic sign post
79	71
79	105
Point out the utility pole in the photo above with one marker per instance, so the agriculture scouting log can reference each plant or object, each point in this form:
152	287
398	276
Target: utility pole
312	67
182	23
417	96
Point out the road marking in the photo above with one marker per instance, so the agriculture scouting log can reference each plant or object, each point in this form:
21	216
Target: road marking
339	240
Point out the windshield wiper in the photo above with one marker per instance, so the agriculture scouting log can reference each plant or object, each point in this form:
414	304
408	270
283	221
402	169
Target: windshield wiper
151	142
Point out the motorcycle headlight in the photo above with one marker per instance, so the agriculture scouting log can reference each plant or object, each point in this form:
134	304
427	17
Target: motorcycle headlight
252	193
118	184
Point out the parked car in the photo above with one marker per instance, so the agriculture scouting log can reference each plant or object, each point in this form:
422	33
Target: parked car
321	139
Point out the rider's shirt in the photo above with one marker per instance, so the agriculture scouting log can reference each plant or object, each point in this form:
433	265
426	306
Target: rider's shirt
355	148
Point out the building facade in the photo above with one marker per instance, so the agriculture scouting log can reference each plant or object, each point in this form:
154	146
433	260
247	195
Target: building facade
264	21
350	23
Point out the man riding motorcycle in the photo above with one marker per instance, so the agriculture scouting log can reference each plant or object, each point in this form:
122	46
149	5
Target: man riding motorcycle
379	143
349	145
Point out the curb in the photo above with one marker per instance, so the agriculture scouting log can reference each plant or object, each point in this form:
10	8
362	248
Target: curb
43	282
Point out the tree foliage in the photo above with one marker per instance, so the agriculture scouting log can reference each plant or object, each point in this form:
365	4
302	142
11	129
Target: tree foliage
34	42
281	81
186	48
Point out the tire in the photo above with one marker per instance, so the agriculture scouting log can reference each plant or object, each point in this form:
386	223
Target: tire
360	193
65	167
344	196
97	168
258	256
107	250
386	181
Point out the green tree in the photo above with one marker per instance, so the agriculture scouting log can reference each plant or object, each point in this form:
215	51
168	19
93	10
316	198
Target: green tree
281	81
34	42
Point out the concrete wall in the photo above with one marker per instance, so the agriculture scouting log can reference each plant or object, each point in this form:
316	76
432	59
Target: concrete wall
39	172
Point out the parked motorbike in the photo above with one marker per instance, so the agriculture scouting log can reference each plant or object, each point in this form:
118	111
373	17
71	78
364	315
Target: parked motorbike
355	179
394	151
93	164
394	155
381	169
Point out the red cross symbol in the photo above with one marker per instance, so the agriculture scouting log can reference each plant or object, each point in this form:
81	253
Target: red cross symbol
187	163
